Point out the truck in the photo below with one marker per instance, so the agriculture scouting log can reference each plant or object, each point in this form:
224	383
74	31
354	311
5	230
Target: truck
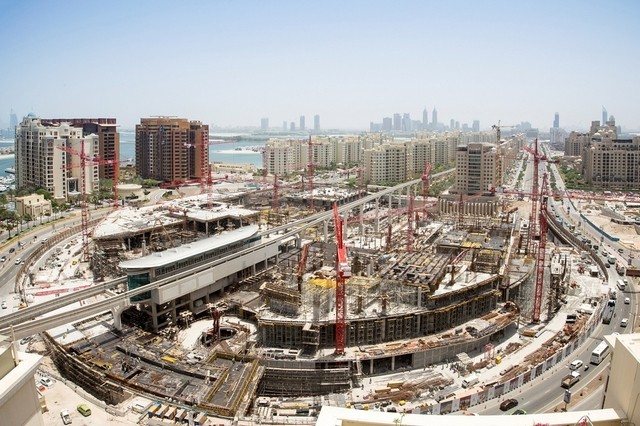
66	417
633	272
611	259
608	314
620	269
570	380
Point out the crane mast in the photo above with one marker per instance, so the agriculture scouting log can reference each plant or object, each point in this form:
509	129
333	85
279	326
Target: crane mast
537	305
343	272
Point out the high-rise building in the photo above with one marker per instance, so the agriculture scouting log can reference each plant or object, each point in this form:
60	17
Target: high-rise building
264	124
605	116
397	121
13	122
476	126
284	126
556	121
406	122
387	124
108	140
476	168
452	124
425	119
45	153
292	126
303	127
316	123
434	119
171	149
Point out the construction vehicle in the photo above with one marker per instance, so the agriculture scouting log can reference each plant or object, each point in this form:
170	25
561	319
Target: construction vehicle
570	379
66	417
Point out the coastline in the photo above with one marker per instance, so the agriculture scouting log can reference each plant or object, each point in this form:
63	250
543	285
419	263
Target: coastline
6	156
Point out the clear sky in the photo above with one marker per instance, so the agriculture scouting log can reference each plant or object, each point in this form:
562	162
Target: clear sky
230	63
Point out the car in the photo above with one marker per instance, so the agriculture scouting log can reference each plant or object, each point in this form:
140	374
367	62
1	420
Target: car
46	381
624	322
508	404
586	367
620	250
12	249
18	260
627	300
26	340
518	412
84	410
575	364
3	258
4	304
607	265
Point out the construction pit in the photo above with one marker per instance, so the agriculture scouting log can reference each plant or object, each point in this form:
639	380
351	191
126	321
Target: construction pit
406	311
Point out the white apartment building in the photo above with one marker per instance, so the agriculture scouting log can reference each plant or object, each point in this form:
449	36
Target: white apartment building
49	157
281	157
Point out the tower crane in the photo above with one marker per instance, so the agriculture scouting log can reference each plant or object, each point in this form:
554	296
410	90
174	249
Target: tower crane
85	161
310	171
497	128
542	245
343	272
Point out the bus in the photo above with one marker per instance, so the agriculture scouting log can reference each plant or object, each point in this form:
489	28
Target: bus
621	285
600	353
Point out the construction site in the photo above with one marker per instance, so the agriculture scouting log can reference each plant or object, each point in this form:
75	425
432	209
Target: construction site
401	283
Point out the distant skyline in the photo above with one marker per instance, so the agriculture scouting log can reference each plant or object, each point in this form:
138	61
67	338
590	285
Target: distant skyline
232	63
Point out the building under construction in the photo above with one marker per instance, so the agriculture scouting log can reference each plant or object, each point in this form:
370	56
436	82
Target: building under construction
415	298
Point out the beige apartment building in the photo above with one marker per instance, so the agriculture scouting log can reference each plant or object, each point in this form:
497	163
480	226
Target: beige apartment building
612	164
48	155
476	167
33	205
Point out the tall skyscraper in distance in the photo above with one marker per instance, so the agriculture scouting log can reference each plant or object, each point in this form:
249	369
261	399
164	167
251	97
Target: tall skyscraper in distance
434	118
556	121
284	126
452	124
406	122
303	127
476	126
264	124
13	121
425	119
316	123
292	126
397	121
605	116
387	124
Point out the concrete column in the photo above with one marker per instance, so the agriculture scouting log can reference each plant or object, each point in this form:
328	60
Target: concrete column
393	363
371	367
376	224
361	219
325	227
154	316
116	311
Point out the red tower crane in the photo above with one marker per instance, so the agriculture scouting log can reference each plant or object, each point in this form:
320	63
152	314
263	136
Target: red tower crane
85	161
537	157
542	245
343	272
310	171
410	225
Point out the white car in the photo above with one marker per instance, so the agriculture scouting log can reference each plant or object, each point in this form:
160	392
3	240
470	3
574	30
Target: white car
624	322
46	381
627	300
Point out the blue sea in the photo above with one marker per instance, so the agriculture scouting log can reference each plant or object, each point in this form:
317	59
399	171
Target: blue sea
233	152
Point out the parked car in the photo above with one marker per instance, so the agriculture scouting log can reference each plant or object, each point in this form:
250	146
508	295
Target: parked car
46	381
84	410
508	404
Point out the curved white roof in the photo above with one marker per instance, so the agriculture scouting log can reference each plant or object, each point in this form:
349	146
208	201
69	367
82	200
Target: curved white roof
186	251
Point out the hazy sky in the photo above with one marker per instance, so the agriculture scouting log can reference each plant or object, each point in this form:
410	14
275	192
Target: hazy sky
230	63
